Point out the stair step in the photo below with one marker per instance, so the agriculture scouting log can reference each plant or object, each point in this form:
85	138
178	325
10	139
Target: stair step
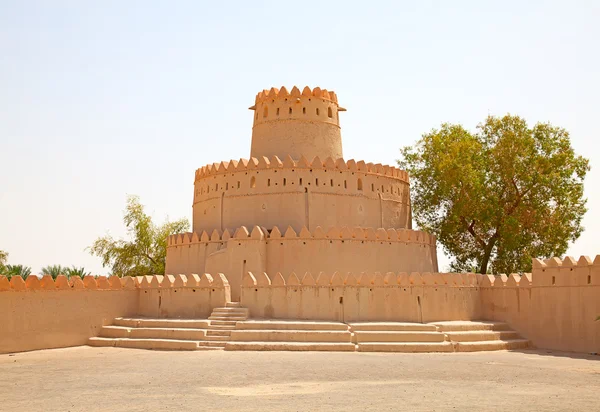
216	338
161	323
291	346
398	336
314	336
221	327
212	343
290	325
406	347
227	318
233	305
209	348
489	345
392	326
223	323
482	335
152	333
160	344
463	326
214	333
231	310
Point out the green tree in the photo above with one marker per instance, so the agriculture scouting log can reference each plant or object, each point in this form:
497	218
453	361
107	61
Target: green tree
3	260
500	196
75	271
17	270
146	252
53	270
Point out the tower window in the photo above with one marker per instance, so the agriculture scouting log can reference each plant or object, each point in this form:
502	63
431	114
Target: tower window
277	113
265	111
304	110
300	182
372	187
360	184
252	182
345	185
329	112
290	111
216	187
284	181
317	111
238	184
317	181
268	182
331	182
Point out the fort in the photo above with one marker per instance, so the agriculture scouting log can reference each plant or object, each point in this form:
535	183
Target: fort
299	249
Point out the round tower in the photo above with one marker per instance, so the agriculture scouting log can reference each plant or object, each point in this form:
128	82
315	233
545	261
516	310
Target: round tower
296	123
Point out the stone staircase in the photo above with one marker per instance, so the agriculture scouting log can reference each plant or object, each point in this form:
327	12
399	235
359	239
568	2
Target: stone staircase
173	334
454	336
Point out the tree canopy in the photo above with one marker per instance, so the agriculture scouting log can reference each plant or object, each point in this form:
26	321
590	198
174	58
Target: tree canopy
146	252
500	196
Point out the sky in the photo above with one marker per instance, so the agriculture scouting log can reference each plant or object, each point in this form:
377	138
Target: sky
103	99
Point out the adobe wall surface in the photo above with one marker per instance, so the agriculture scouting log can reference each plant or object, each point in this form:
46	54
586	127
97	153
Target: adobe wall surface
338	249
43	314
393	297
271	192
296	124
555	307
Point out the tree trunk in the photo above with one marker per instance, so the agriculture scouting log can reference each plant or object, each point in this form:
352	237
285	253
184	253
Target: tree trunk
487	252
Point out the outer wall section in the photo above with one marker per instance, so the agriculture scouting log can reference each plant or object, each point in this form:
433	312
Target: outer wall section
300	197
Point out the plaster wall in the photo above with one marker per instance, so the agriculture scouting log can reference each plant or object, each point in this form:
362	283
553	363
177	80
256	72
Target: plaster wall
293	194
555	308
38	316
363	297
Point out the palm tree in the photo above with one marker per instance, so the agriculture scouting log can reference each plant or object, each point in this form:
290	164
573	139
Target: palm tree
53	270
74	271
17	270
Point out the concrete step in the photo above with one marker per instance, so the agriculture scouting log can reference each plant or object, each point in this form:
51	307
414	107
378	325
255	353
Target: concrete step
222	333
482	335
216	338
265	335
223	323
213	327
290	325
233	305
406	347
212	343
392	326
241	311
463	326
161	344
161	323
489	345
398	336
228	318
291	346
152	333
201	347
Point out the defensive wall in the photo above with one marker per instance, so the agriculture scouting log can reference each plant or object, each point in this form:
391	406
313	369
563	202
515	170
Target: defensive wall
555	306
273	192
46	313
337	249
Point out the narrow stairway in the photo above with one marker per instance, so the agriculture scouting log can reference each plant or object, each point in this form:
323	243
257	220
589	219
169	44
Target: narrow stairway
173	334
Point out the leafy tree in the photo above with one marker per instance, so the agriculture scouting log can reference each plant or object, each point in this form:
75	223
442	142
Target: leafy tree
17	270
3	259
75	271
53	270
146	253
499	196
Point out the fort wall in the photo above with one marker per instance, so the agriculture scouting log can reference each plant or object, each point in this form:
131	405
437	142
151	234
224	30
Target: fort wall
272	192
555	307
337	249
46	313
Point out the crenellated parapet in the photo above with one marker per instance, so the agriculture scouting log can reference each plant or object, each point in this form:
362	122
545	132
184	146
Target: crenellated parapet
344	233
47	283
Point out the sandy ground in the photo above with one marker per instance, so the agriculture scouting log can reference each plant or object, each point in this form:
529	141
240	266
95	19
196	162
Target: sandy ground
115	379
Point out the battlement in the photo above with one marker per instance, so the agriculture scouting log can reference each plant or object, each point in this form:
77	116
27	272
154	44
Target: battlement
274	162
334	233
275	93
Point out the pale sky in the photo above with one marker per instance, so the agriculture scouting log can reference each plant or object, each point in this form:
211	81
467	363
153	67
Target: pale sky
103	99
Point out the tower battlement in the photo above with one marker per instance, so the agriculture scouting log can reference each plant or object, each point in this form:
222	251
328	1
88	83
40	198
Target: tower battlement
296	123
